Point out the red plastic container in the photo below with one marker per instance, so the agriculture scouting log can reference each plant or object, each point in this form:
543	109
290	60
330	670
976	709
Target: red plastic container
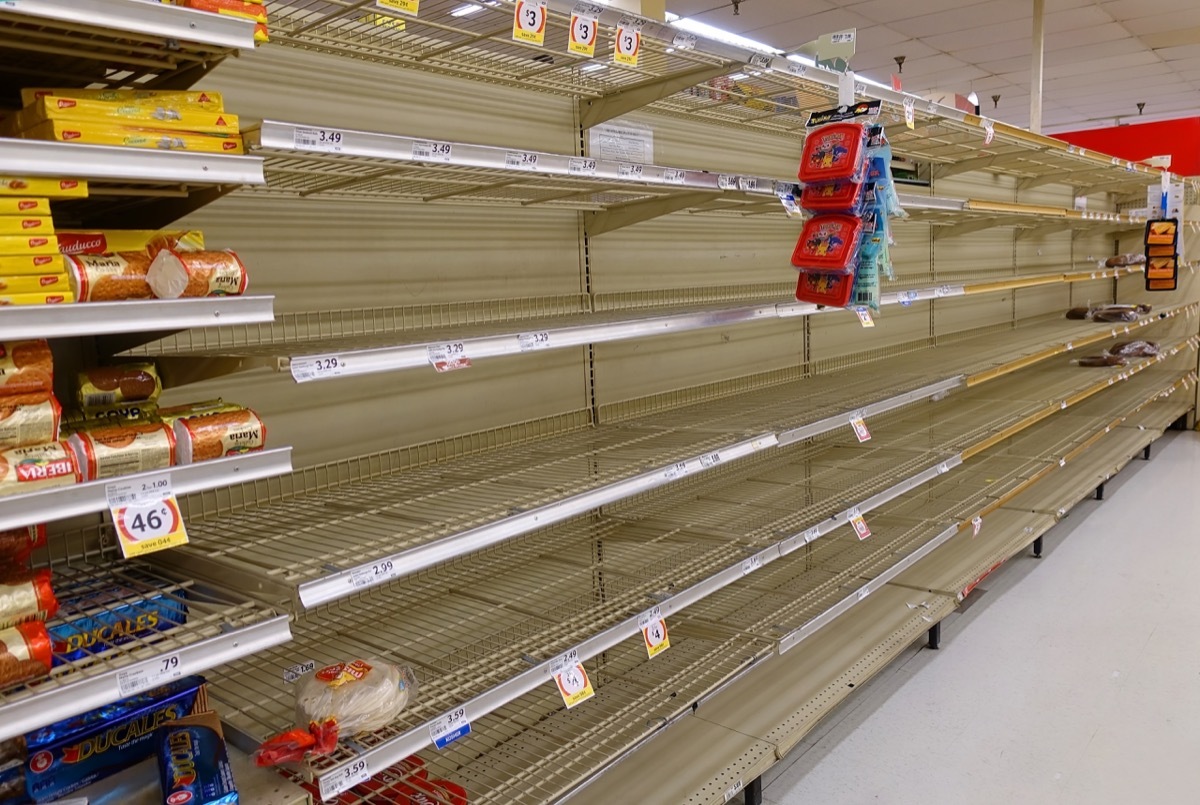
832	153
833	197
829	243
820	288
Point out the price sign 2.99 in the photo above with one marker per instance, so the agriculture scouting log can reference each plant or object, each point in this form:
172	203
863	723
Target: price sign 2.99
529	22
145	516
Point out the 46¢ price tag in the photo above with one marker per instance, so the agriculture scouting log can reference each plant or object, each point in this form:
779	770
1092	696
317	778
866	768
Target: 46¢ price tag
145	515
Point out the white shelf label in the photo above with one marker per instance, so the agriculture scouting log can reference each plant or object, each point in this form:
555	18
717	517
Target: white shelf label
734	790
156	672
292	675
710	460
726	182
449	728
811	534
333	784
989	131
976	525
863	592
428	151
859	424
581	166
521	160
752	564
375	573
910	113
760	60
304	369
677	470
563	661
532	341
943	468
312	139
674	176
629	170
448	357
684	41
797	69
748	183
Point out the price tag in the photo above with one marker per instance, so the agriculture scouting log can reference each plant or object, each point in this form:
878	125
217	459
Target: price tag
581	166
312	139
760	60
910	112
448	357
351	775
684	41
529	22
449	728
748	183
654	632
305	369
521	160
629	170
426	151
1062	462
976	524
628	46
403	6
145	515
734	790
797	69
150	675
859	524
943	468
942	290
863	592
752	564
676	471
811	534
989	131
573	683
860	427
674	176
584	29
375	573
864	317
727	182
293	673
532	341
710	460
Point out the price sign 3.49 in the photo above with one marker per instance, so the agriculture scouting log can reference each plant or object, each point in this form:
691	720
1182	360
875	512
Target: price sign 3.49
145	515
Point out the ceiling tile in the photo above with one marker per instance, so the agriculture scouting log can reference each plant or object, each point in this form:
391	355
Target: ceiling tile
1158	23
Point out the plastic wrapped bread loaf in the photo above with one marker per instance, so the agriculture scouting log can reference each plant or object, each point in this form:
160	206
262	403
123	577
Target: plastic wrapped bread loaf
16	544
44	466
123	449
26	596
209	436
175	274
24	653
110	277
107	386
29	419
1134	349
26	367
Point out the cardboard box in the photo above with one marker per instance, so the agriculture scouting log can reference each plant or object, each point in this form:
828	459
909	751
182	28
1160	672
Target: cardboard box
103	133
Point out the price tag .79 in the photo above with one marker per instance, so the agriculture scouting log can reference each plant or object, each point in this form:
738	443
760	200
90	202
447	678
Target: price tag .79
145	515
149	674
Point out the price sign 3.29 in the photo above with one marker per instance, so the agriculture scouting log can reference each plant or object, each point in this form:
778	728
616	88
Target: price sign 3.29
146	516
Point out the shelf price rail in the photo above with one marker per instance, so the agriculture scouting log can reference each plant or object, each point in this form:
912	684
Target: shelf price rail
1023	415
575	474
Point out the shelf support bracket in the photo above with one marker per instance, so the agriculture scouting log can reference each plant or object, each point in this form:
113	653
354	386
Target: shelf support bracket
595	111
935	636
1100	492
1037	548
614	218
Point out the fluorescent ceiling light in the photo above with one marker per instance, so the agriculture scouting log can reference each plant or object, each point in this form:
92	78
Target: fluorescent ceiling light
805	60
592	67
466	11
713	32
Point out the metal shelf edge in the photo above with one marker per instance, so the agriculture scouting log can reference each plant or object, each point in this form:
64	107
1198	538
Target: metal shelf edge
168	22
108	162
90	692
88	498
109	318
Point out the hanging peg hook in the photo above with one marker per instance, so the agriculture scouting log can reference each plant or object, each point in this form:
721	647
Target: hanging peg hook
899	64
996	101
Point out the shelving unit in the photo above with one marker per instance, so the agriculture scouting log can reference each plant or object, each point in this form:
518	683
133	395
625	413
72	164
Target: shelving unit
671	431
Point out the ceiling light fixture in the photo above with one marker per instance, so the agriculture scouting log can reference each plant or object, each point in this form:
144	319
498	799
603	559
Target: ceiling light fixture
719	34
466	11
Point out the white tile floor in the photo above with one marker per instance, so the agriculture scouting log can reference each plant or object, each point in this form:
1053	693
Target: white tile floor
1073	679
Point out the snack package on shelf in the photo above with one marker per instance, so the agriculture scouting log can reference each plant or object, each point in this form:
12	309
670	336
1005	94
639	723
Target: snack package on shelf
27	420
193	764
47	188
72	754
16	546
107	452
26	225
108	241
175	274
20	245
151	98
109	277
111	615
215	435
1134	349
44	466
24	654
10	205
104	416
26	595
1125	260
174	413
242	9
37	285
33	265
340	700
97	132
107	386
37	299
26	367
174	117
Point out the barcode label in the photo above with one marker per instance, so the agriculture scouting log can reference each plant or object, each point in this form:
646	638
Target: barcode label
521	160
582	167
432	151
310	139
99	398
629	170
674	176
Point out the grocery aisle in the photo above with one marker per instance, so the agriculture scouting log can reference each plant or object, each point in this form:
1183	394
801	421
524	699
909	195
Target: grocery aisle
1073	679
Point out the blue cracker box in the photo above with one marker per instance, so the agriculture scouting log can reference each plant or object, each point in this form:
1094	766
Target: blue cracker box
111	615
76	752
193	766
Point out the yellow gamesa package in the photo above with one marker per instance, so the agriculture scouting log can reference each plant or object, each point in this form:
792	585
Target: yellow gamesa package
26	225
34	283
50	188
34	265
103	133
63	298
208	101
163	116
24	206
28	244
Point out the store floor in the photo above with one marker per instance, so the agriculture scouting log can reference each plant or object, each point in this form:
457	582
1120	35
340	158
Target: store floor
1071	679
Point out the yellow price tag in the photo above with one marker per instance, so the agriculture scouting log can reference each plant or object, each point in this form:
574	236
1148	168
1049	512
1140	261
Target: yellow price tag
403	6
529	22
571	679
584	29
629	43
145	515
654	632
